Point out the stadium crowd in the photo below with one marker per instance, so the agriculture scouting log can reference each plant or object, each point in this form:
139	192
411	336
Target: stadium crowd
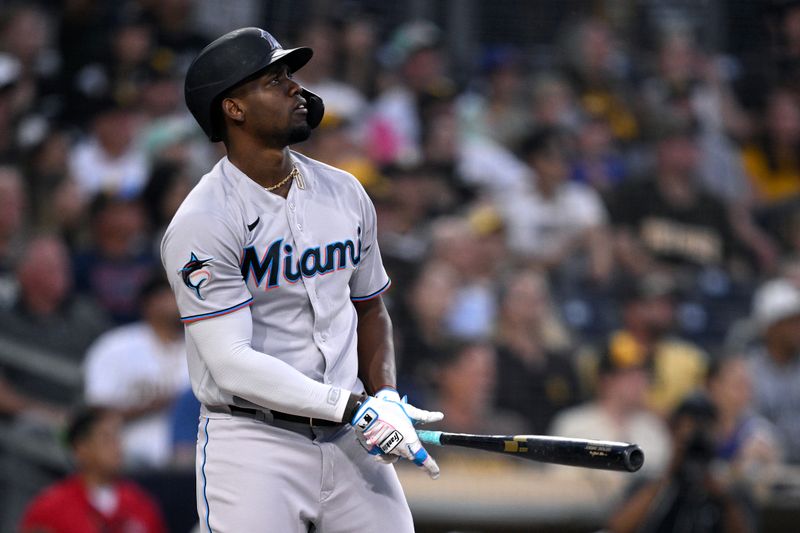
603	246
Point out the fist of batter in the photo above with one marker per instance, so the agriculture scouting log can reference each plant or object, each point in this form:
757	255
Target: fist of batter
385	424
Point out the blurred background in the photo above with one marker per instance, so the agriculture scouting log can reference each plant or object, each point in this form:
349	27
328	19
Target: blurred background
590	210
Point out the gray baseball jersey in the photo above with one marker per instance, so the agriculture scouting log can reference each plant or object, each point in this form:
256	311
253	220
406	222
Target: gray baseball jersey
298	262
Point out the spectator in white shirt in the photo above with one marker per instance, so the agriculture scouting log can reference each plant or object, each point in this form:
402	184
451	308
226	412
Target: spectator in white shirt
139	369
556	222
109	160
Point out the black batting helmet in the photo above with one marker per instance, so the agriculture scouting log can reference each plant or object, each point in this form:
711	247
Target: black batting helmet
231	59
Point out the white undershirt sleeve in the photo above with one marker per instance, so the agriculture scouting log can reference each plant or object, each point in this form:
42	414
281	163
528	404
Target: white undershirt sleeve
223	343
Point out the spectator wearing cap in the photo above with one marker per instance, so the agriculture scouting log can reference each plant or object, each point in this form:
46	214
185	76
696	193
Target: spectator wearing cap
557	224
647	306
95	499
617	412
139	369
775	362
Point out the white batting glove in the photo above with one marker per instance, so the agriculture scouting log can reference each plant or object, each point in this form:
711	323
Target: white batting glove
385	424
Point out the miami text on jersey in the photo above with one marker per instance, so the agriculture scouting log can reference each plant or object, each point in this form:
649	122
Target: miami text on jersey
279	261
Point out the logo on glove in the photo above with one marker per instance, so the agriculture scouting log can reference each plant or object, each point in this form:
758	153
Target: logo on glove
366	419
391	442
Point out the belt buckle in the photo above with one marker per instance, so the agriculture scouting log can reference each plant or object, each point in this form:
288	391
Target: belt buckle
310	422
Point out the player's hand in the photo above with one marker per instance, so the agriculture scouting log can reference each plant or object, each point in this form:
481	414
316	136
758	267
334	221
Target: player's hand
387	422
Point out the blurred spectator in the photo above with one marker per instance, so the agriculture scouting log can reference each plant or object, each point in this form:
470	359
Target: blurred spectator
772	160
747	443
319	76
394	133
599	72
407	199
161	94
183	428
45	334
688	497
557	224
26	33
694	86
457	242
553	102
10	72
95	499
785	57
775	362
139	369
598	163
466	382
493	111
359	66
12	209
84	31
617	413
130	48
108	161
423	330
669	223
176	37
118	260
535	365
647	308
334	144
48	184
166	188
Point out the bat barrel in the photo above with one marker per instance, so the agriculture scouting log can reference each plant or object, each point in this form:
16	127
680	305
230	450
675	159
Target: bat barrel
583	453
604	455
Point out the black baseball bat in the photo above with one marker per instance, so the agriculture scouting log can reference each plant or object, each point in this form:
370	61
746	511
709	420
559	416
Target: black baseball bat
600	454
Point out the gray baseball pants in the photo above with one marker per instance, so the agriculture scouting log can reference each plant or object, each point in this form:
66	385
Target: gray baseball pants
263	476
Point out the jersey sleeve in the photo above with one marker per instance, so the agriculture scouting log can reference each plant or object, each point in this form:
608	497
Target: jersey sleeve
201	256
370	278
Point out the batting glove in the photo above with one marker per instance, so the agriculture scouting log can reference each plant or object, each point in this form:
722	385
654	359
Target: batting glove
385	425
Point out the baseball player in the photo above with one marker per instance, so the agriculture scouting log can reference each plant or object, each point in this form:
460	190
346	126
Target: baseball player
275	265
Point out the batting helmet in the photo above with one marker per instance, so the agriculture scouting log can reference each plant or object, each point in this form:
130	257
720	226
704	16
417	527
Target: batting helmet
231	59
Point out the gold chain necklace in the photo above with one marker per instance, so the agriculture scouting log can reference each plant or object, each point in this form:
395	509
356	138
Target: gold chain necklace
294	173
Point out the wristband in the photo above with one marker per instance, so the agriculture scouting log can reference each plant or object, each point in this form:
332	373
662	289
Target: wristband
353	405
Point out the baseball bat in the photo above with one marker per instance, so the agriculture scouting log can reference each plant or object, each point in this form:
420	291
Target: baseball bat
600	454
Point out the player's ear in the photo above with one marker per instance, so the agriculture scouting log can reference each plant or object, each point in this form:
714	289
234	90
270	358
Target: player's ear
233	109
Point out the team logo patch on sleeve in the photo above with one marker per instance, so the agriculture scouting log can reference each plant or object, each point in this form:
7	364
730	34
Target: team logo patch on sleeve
195	274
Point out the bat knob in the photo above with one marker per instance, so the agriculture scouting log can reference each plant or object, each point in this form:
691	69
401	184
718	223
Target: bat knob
634	458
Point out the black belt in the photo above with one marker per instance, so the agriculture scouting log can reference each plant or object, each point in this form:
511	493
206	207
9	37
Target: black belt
258	414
